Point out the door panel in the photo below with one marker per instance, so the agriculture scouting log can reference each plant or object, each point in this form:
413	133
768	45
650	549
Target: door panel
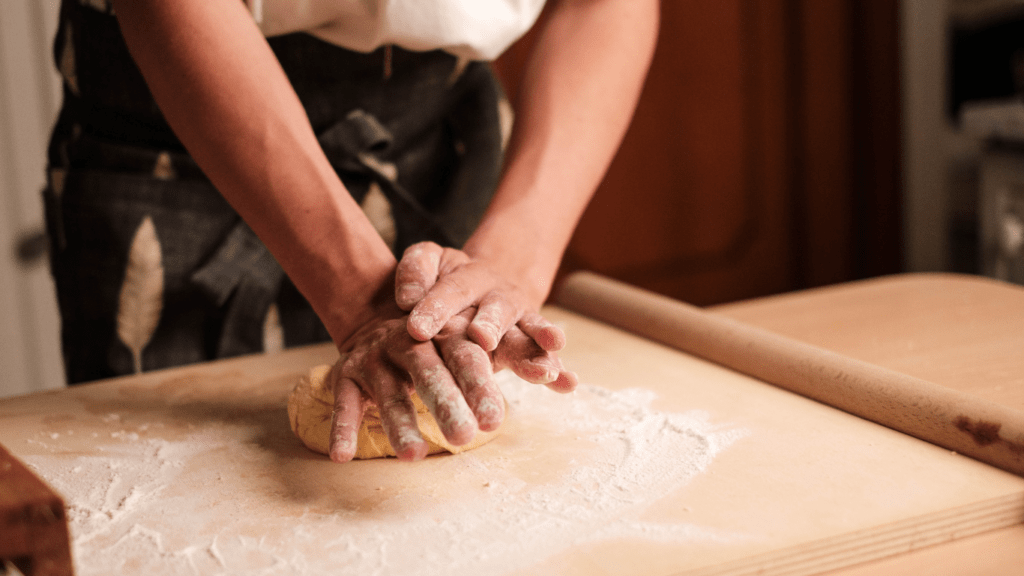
763	156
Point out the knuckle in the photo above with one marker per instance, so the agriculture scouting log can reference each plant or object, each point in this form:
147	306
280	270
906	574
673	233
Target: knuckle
422	358
395	402
419	249
465	354
460	284
452	259
455	327
352	366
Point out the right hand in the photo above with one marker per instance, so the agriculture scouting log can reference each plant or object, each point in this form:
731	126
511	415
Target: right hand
435	283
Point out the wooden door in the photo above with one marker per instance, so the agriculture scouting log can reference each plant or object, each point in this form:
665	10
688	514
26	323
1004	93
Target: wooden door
763	156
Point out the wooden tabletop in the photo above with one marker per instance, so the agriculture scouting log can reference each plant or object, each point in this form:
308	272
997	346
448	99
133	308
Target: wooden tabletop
963	332
193	469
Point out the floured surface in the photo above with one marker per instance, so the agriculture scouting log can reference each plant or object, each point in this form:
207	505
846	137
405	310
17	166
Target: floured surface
606	457
660	464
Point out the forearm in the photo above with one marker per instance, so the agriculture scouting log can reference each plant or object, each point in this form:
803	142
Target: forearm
223	92
581	86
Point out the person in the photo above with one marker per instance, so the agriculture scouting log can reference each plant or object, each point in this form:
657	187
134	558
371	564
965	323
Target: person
221	150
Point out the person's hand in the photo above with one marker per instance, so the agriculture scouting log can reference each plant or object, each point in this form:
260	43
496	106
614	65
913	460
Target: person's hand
517	351
452	375
381	363
435	283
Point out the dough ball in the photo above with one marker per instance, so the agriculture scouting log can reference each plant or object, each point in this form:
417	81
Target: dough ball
309	410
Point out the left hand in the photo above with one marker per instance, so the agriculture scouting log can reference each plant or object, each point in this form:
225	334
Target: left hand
435	284
452	375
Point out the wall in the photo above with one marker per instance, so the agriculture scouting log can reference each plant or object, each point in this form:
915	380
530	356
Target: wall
29	94
764	155
926	134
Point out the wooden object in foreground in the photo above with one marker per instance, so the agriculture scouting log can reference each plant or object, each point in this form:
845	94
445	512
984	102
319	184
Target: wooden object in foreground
32	522
949	418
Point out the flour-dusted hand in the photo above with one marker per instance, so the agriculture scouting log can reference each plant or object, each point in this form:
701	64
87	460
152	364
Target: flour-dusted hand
583	78
453	376
383	364
436	283
520	352
474	369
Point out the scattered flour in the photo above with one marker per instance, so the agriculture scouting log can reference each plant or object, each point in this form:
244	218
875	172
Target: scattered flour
619	456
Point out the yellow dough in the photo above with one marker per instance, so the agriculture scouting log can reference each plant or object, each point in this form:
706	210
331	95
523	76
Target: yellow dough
310	406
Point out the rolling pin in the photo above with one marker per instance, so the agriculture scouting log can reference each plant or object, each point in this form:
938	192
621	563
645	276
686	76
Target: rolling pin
971	426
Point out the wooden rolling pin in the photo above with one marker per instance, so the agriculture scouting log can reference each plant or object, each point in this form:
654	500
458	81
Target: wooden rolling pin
968	425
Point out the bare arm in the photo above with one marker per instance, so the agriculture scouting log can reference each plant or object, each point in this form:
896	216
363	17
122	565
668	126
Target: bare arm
222	90
581	87
225	95
578	95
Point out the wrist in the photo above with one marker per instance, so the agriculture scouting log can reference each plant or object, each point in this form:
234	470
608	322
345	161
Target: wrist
529	267
335	258
352	295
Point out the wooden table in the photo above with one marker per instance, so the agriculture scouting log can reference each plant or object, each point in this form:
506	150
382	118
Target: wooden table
962	332
193	470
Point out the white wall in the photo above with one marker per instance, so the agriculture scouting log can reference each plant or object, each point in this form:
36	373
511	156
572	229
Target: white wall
29	96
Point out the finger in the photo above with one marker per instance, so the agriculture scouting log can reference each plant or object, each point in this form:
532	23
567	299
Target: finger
533	364
346	418
495	315
528	360
472	369
567	382
437	388
398	417
450	295
416	273
543	332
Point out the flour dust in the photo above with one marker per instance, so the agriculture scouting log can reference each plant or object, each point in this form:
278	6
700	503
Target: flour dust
604	458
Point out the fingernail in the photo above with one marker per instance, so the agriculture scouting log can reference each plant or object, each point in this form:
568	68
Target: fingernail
487	333
341	449
491	332
568	382
422	323
412	452
489	414
410	293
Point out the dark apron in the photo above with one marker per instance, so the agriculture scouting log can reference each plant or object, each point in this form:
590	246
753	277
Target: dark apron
422	127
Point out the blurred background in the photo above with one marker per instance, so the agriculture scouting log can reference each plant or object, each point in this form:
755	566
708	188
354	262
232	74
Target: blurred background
778	145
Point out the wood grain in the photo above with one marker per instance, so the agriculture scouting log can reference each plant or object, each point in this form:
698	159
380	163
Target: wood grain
969	425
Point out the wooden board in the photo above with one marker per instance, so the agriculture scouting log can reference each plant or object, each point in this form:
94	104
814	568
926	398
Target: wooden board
815	488
194	470
32	523
902	323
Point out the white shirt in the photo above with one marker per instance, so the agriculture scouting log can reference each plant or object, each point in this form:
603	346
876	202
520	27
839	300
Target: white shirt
474	29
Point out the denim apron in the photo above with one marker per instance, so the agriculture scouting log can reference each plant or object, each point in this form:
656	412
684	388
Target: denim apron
423	128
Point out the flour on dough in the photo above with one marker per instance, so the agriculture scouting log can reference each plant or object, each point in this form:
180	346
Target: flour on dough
310	406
